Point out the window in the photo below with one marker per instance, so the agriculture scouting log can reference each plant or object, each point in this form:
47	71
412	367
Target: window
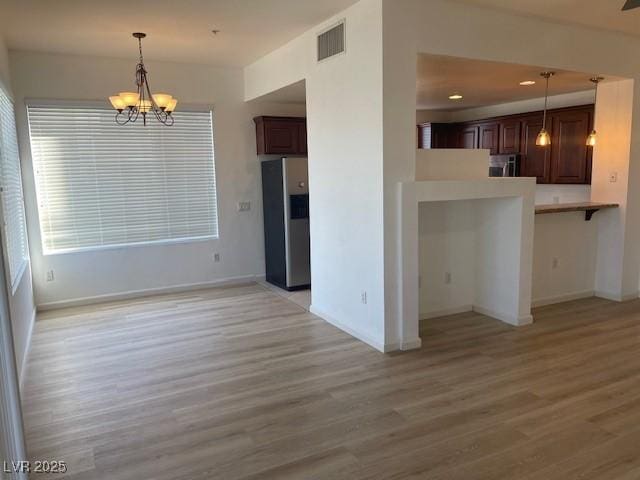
14	229
100	184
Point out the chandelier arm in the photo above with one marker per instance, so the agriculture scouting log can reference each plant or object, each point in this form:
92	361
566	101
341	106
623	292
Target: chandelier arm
159	113
122	122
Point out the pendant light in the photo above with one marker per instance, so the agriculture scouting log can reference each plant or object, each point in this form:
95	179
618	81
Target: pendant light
591	139
544	139
130	105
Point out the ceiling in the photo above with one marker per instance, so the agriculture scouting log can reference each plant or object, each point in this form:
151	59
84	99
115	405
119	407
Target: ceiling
603	14
177	30
484	83
481	83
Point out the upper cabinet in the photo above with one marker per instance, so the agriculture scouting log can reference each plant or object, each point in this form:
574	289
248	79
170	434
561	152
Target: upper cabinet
509	133
490	137
535	160
281	135
467	136
566	161
570	155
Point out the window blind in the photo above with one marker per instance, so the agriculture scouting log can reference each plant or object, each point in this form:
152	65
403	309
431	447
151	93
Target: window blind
14	229
100	184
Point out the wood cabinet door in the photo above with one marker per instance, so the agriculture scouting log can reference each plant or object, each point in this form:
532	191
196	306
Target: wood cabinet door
570	156
302	138
440	135
509	137
535	160
468	137
489	137
281	136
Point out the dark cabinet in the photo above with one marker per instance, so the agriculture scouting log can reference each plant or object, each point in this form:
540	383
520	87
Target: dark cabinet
570	156
489	137
434	135
535	159
281	135
440	135
566	160
509	137
467	137
302	137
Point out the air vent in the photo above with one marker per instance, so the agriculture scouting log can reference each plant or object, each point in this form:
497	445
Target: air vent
331	42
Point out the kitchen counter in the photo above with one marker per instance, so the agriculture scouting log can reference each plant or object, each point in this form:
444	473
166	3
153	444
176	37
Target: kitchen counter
588	207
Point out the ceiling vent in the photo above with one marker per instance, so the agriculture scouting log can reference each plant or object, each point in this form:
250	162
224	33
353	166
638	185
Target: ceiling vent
331	42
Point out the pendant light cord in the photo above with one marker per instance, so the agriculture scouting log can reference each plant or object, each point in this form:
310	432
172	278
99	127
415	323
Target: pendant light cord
595	103
546	97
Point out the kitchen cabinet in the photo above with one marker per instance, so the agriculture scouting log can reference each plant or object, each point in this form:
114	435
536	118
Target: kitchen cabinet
440	135
509	136
566	161
302	137
435	135
535	160
467	136
570	156
281	135
489	137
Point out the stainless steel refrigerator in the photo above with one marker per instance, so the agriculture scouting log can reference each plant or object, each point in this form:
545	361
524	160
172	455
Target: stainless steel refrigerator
285	201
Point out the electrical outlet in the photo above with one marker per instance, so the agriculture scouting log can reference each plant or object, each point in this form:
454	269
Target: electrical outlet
554	263
363	297
244	206
556	200
613	177
50	276
216	257
447	278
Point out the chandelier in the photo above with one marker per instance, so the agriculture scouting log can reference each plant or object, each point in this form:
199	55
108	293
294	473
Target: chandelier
130	105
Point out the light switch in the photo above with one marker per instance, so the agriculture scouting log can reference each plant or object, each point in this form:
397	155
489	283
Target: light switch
613	177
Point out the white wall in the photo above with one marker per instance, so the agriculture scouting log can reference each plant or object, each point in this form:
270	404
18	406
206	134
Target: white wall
573	242
410	27
451	164
447	245
344	119
449	28
105	273
618	152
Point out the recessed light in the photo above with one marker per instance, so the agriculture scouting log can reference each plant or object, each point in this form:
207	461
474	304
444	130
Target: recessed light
528	83
455	96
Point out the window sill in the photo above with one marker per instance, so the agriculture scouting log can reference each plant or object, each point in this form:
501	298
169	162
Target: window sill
126	246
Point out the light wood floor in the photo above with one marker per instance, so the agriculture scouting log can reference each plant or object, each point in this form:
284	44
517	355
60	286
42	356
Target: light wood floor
241	383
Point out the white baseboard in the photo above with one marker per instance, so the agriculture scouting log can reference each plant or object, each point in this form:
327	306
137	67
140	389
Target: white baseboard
616	297
109	297
27	350
381	347
567	297
411	344
516	321
446	312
